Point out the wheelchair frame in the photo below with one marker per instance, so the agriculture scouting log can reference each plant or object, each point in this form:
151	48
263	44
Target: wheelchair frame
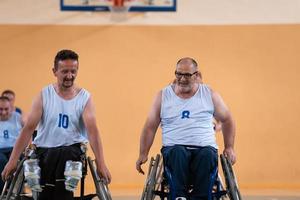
159	182
13	189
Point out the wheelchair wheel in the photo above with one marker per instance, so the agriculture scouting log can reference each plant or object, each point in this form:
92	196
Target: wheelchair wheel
101	187
4	190
153	178
145	188
17	183
230	180
221	185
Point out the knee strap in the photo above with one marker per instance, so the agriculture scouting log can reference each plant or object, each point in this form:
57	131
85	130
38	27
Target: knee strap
73	173
32	173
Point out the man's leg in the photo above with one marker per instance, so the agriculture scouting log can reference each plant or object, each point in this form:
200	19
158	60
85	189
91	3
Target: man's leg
204	161
52	164
67	153
177	159
48	160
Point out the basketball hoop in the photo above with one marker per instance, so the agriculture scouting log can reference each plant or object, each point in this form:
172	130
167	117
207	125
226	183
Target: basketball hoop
133	6
119	10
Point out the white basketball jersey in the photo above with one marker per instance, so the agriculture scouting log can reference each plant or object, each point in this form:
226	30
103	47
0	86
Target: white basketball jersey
10	130
187	121
61	123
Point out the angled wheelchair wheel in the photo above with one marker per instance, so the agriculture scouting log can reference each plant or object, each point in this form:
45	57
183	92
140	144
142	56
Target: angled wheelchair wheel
143	197
221	186
4	191
154	177
17	183
230	180
218	191
101	187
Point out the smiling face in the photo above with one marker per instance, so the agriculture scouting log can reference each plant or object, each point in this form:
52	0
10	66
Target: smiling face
66	72
186	75
11	98
5	110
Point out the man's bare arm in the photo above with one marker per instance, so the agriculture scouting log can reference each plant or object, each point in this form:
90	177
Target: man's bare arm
89	119
223	115
24	137
148	132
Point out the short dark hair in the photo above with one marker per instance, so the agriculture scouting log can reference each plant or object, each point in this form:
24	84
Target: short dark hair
4	98
188	58
8	92
65	54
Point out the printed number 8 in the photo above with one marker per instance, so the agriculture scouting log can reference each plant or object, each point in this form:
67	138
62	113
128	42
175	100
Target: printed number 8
5	134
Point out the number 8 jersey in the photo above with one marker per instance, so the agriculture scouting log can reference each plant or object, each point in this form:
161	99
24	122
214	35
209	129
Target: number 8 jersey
10	130
61	123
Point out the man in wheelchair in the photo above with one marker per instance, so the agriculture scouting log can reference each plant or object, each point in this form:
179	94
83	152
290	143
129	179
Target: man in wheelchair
28	173
64	114
10	125
185	110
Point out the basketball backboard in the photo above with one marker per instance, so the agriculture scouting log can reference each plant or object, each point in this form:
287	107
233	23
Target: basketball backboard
104	5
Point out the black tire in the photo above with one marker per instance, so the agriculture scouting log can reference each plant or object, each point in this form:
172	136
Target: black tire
102	190
231	184
4	190
235	181
17	183
152	177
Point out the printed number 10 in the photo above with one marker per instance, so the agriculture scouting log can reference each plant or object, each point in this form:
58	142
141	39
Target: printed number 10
63	121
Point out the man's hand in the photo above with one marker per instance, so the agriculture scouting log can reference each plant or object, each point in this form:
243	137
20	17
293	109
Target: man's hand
141	160
230	155
104	173
9	169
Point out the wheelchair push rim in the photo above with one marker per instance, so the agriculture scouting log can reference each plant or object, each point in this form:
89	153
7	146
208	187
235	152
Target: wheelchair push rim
230	180
151	180
101	187
15	186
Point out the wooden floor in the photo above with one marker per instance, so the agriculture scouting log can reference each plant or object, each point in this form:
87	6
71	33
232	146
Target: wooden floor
247	194
244	198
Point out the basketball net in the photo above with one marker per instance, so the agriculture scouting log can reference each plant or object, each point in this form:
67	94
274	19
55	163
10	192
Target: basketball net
118	2
119	10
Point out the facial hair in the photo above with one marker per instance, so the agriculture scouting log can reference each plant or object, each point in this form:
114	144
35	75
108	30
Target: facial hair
68	86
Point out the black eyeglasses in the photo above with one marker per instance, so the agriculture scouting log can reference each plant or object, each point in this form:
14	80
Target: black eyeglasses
185	75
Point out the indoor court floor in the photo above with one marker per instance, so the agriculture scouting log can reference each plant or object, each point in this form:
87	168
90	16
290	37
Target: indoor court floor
247	195
244	198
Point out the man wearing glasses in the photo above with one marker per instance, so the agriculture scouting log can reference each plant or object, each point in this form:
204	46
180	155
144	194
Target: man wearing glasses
185	110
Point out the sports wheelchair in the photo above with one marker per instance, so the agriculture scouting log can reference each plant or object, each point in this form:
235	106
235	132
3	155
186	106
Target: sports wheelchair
14	188
159	182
